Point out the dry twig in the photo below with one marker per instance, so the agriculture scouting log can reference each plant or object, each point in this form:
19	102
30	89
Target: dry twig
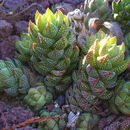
34	120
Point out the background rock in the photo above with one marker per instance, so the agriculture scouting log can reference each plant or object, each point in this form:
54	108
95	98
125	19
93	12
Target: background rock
6	29
21	27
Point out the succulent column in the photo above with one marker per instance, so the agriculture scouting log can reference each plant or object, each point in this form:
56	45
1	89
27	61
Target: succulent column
97	74
53	53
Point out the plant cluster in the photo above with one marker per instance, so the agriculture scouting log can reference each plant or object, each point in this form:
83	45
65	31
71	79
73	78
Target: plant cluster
77	55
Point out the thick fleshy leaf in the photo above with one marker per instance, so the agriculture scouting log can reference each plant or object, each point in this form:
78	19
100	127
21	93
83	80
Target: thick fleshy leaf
63	31
117	60
2	64
108	75
75	54
61	43
23	84
63	64
59	17
56	54
119	69
69	51
104	63
91	71
33	31
47	42
50	30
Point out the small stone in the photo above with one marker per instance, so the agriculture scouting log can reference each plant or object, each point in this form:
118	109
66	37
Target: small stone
5	29
14	5
7	47
60	100
21	27
45	4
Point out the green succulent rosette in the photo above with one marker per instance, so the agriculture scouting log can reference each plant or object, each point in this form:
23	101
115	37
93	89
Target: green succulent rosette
121	13
53	124
38	96
87	121
107	55
14	78
53	53
103	63
24	48
96	77
122	99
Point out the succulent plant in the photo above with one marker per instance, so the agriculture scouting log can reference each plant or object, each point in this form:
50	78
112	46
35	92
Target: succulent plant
76	19
24	48
103	62
97	74
121	13
53	53
107	55
14	78
87	121
38	96
97	12
92	5
83	121
77	26
53	124
121	99
79	97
